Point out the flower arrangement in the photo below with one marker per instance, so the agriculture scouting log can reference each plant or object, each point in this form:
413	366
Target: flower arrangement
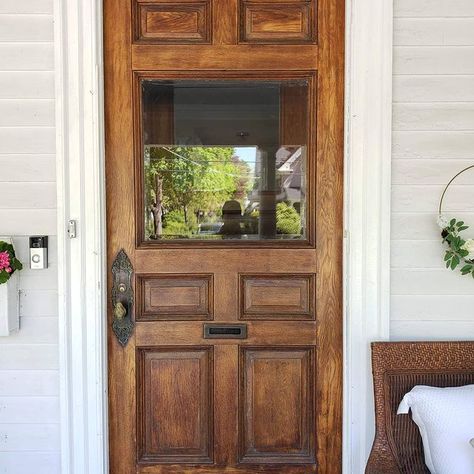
8	261
460	251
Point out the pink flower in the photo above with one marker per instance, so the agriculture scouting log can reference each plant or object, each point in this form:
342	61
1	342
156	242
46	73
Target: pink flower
5	261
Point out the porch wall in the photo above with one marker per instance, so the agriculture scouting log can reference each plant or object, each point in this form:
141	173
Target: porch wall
29	407
433	138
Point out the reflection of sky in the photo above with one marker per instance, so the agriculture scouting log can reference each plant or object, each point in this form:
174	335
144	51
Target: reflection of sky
247	154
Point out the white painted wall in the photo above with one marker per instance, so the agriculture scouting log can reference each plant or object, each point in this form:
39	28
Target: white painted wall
29	386
433	138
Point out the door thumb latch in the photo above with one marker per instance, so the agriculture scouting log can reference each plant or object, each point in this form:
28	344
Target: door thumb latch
122	298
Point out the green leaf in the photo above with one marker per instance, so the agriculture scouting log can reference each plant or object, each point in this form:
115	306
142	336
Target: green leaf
466	269
452	222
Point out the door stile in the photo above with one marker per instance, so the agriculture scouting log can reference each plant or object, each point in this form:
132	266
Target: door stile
329	235
120	226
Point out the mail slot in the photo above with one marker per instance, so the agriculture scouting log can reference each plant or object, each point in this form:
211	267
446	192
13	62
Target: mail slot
225	331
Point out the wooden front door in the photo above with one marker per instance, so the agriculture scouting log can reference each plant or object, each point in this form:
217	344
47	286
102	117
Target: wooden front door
224	153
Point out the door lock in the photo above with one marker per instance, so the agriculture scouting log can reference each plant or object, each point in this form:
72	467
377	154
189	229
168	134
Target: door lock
122	298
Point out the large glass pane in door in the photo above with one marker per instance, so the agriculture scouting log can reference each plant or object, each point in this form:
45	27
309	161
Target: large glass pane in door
224	159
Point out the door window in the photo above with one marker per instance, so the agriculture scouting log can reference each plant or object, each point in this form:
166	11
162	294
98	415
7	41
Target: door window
224	159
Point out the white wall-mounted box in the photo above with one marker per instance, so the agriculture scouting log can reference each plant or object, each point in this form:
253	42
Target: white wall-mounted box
9	303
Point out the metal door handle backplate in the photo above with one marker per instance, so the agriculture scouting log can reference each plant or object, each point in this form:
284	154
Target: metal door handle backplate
122	298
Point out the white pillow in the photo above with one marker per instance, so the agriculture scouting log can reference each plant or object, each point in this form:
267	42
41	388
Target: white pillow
445	417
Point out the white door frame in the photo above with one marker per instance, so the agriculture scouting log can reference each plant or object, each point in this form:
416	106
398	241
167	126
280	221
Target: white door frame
81	197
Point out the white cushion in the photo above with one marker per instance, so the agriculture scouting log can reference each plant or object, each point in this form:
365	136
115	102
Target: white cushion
445	417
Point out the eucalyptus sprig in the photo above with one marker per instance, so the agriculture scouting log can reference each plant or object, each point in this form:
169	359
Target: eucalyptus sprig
460	251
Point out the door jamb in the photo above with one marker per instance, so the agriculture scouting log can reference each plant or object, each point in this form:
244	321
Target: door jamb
81	197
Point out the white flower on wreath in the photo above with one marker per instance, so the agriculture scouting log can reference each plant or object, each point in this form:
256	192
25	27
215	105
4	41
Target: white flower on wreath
443	222
469	247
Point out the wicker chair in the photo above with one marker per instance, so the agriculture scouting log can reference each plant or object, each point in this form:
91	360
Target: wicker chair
397	367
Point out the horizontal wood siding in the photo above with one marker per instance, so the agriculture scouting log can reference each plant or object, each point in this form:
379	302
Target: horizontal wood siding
433	138
29	385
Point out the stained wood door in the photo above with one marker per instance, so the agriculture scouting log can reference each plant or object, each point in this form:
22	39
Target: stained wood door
224	152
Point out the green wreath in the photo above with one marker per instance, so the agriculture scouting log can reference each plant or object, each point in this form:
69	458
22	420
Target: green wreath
460	251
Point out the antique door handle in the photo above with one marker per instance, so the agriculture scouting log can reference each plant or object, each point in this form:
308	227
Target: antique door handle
122	298
119	310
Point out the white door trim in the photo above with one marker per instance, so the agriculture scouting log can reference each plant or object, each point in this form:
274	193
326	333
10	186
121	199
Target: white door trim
81	196
82	276
369	47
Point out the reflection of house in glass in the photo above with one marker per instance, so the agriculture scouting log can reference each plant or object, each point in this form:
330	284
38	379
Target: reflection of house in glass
290	174
215	145
282	184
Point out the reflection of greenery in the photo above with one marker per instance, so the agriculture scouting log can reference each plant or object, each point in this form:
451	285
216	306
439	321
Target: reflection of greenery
288	219
192	182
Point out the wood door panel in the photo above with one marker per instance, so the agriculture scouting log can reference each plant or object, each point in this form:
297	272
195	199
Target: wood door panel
175	405
244	57
258	332
161	22
175	297
277	405
277	297
276	22
229	261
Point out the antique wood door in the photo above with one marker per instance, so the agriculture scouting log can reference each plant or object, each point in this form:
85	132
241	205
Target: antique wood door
224	156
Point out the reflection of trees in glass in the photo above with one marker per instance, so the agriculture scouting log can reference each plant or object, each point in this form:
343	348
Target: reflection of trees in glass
183	183
288	221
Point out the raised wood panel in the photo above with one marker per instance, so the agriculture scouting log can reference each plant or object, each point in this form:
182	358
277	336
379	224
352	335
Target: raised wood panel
174	297
172	22
278	22
277	405
175	405
277	297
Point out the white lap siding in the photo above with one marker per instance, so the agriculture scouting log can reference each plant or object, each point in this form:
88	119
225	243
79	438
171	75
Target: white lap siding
29	406
433	138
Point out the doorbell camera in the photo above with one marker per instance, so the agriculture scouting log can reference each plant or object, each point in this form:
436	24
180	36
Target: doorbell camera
38	252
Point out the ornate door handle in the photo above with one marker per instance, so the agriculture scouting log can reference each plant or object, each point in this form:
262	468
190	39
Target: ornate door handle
122	298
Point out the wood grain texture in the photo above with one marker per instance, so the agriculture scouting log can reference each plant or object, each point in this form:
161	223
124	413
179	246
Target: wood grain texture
169	431
329	218
158	22
120	224
277	296
277	405
244	57
173	297
304	348
259	332
278	22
